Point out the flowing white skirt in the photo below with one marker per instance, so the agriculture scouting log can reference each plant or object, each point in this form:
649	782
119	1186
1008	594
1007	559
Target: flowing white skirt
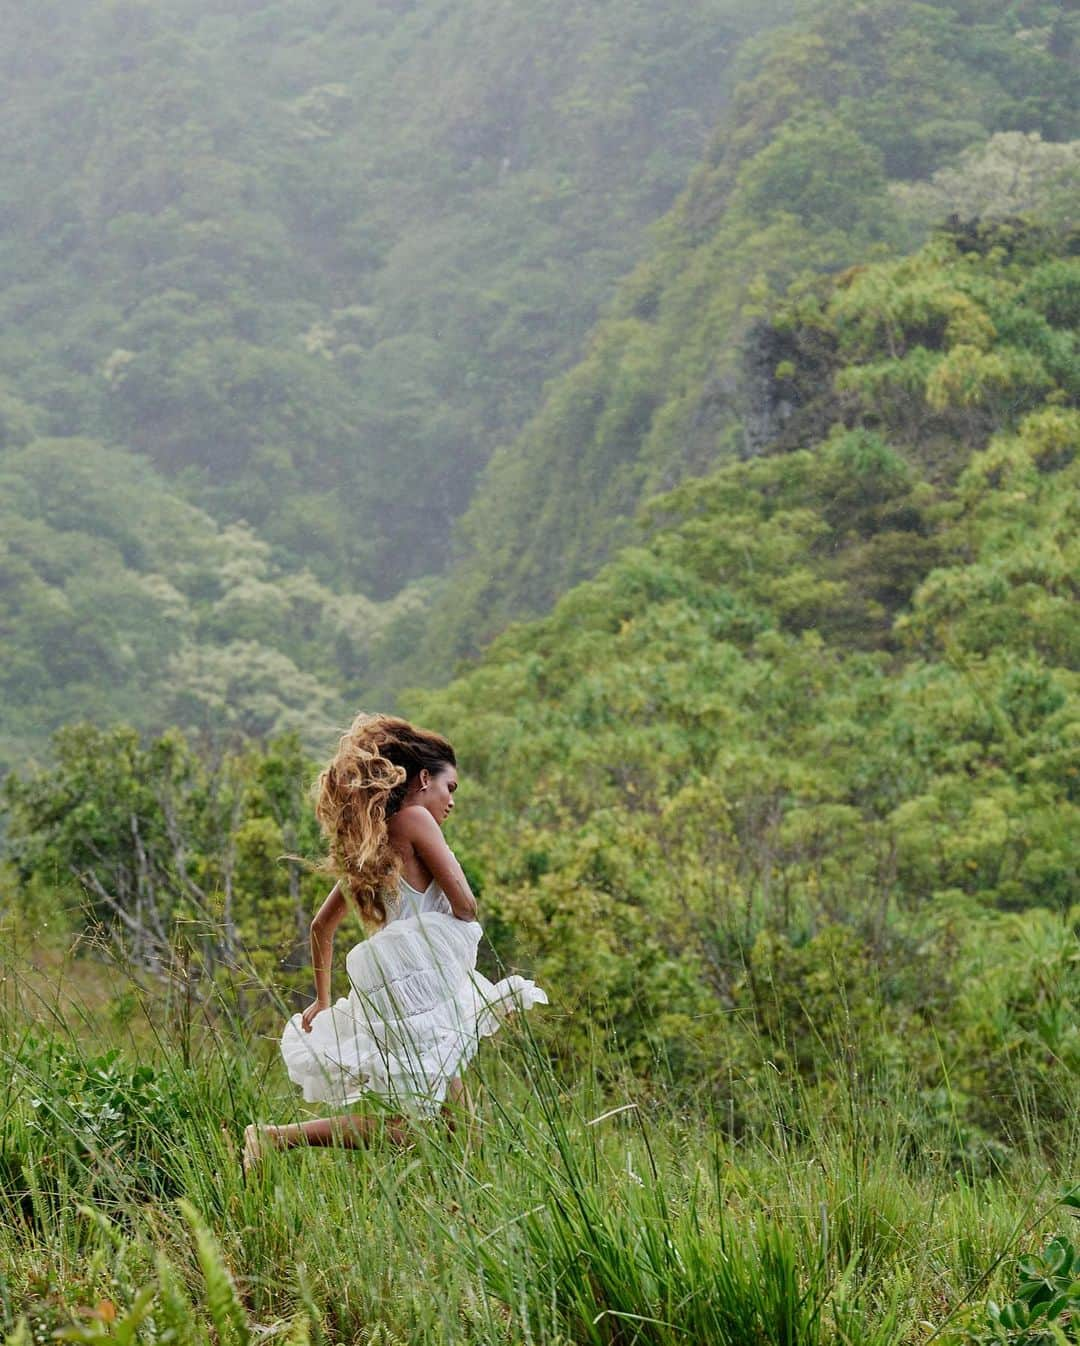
412	1020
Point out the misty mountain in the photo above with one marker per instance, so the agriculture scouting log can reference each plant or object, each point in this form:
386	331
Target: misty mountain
315	261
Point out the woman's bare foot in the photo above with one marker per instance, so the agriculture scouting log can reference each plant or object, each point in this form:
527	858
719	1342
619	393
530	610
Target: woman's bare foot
255	1138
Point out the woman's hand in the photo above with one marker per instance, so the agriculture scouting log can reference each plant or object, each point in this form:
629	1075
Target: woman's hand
308	1016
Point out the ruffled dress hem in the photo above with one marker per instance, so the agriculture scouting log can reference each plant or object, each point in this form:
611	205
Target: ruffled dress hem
414	1018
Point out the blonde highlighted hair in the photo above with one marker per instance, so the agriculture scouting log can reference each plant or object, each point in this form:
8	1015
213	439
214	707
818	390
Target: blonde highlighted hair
363	786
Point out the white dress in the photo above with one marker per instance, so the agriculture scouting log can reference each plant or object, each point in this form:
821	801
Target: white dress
414	1015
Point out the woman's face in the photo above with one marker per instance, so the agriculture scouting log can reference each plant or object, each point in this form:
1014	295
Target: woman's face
438	798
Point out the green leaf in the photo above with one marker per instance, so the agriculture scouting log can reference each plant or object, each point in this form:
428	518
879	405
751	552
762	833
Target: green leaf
226	1310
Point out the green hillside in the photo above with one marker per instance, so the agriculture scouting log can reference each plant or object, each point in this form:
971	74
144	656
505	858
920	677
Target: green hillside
281	280
798	775
815	735
314	261
277	280
769	734
850	133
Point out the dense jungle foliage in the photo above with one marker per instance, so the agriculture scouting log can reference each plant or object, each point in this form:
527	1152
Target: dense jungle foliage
313	260
284	277
809	757
770	738
849	134
783	808
803	764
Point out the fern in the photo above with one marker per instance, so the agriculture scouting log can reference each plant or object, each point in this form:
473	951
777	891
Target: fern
307	1298
222	1299
174	1315
299	1331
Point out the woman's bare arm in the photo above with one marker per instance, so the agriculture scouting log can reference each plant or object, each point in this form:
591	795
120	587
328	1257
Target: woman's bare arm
420	829
326	921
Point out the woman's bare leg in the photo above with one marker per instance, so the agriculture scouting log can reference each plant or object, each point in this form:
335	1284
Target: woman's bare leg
458	1102
349	1131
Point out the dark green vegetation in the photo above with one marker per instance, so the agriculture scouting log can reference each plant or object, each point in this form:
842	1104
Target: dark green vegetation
780	800
557	1219
835	133
783	809
308	266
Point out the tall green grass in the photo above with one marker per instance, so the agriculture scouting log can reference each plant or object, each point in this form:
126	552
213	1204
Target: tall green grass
566	1212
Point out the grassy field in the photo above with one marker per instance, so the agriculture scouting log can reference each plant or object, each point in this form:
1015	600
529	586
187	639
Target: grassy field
575	1207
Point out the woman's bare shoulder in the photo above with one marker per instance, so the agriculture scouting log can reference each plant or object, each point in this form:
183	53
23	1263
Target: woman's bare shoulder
411	821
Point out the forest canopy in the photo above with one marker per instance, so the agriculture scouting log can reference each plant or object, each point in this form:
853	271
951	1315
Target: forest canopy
851	133
315	294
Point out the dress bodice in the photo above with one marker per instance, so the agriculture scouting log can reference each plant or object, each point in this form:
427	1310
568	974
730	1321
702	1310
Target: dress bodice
412	902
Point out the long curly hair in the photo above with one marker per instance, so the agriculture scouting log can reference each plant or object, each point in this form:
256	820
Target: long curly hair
364	785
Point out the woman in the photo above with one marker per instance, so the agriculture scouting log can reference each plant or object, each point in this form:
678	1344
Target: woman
417	1007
